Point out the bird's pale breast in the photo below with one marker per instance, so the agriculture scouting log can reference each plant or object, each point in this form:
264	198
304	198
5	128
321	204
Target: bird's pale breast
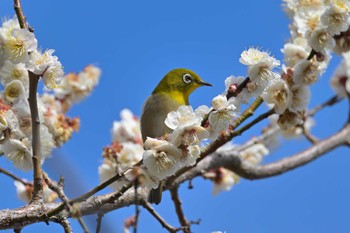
154	114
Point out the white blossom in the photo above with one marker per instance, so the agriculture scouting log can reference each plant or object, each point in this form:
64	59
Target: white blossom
300	98
47	66
8	25
289	120
223	179
297	130
23	191
49	196
193	153
128	128
184	115
11	71
46	142
260	65
12	123
279	95
340	81
18	153
106	171
320	39
336	18
186	124
18	44
296	51
306	72
141	173
53	75
254	154
202	111
307	21
159	164
253	56
224	112
75	87
130	154
14	91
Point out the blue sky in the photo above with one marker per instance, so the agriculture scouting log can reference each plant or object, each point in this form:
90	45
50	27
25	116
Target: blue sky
135	43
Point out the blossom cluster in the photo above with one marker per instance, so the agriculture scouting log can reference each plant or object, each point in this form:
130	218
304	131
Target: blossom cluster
317	29
163	157
126	148
340	81
20	60
25	192
324	24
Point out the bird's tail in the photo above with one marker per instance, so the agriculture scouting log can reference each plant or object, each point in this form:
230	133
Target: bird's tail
155	195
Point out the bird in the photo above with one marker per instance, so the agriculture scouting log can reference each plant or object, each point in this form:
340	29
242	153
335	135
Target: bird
170	93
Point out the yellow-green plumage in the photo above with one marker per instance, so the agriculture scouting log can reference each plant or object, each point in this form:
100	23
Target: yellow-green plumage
171	92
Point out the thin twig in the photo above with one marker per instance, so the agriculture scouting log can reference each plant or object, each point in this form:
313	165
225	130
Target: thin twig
99	222
311	138
64	223
333	100
38	181
112	198
58	188
348	121
83	224
19	13
229	94
33	85
311	55
137	208
239	89
162	222
180	214
9	174
252	123
88	194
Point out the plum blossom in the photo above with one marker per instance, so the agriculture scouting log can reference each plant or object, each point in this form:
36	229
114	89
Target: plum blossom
279	95
128	128
260	65
224	112
161	158
186	124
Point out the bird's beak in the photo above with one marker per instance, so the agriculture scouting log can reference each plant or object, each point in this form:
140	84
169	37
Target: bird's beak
204	83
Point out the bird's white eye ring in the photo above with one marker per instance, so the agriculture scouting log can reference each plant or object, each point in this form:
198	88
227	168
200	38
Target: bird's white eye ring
186	78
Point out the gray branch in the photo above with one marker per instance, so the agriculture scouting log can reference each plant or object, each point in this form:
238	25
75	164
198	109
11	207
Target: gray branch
18	218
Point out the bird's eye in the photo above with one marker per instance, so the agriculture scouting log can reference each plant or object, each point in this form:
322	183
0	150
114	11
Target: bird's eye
187	78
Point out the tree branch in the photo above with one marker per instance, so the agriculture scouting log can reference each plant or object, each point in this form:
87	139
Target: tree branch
239	89
233	162
330	102
19	12
38	178
13	176
154	213
33	85
180	214
58	188
64	223
18	218
99	222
